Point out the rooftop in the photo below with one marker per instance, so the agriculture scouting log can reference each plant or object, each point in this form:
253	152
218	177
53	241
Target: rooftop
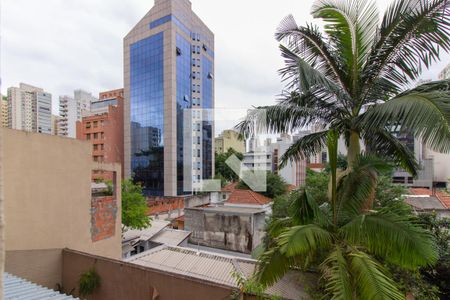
171	237
229	209
16	288
145	234
441	196
213	268
248	197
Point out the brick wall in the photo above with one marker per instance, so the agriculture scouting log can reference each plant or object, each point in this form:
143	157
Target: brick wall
103	217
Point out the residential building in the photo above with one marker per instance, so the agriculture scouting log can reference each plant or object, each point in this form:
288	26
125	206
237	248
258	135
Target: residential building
29	109
102	125
294	172
48	205
233	228
168	68
4	116
259	160
55	124
229	139
70	111
445	73
423	200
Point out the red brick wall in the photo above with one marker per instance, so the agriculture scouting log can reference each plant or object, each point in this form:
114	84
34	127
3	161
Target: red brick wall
109	132
103	218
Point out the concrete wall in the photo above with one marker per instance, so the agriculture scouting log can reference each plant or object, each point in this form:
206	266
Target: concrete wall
235	232
47	190
121	280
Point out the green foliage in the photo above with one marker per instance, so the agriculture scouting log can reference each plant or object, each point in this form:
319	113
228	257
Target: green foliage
317	185
438	274
275	185
134	206
89	282
347	245
252	287
222	168
223	181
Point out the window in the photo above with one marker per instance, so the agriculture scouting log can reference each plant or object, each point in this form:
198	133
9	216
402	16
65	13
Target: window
88	136
95	124
103	135
198	152
102	123
95	136
102	146
88	125
95	147
198	140
178	51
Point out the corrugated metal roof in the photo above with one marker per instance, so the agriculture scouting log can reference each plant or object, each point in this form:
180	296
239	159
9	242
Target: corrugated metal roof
171	237
16	288
145	234
213	268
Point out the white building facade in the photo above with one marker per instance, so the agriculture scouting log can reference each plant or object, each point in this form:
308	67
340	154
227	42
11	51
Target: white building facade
29	109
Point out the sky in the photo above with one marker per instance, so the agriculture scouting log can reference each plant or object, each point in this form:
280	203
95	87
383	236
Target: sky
63	45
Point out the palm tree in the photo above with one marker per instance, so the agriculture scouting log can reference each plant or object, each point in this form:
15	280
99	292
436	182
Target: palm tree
354	78
346	242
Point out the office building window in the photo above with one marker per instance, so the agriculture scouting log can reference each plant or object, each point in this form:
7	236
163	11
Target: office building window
147	112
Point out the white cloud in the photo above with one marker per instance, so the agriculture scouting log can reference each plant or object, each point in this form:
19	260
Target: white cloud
62	45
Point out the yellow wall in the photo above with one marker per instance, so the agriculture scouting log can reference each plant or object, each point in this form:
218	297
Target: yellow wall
47	192
229	139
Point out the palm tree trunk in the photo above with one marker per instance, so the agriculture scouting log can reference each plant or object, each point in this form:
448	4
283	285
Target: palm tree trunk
354	149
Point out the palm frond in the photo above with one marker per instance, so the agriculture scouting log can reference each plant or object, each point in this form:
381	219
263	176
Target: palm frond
306	146
426	114
371	279
351	26
383	144
410	37
305	209
356	188
335	271
308	42
395	237
304	240
272	266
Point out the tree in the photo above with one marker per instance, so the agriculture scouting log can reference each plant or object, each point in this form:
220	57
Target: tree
275	185
345	241
222	169
354	78
134	206
317	185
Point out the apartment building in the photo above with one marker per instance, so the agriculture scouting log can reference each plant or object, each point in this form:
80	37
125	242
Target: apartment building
4	116
102	125
29	109
229	139
70	111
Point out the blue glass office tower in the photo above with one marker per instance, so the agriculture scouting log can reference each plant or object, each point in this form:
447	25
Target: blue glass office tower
168	68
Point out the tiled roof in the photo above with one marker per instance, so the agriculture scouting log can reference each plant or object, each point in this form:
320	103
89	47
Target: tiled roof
420	191
230	187
444	198
15	288
247	197
214	268
424	202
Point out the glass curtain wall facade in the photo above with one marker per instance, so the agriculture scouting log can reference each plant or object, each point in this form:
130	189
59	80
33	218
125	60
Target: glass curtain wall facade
184	92
147	113
168	68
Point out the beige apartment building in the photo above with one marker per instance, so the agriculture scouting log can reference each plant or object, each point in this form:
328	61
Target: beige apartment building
229	139
4	117
49	206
